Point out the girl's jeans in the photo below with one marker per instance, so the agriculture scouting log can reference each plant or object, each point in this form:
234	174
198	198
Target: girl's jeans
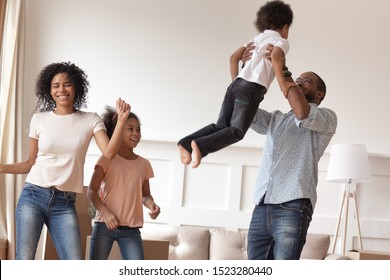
56	209
278	231
129	241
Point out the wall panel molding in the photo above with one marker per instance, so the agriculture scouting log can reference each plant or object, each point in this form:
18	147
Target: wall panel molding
219	193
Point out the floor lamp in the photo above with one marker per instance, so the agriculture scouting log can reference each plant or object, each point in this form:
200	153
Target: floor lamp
348	164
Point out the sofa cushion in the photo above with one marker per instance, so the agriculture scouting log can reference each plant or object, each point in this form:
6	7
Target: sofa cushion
232	245
185	242
316	246
228	245
198	243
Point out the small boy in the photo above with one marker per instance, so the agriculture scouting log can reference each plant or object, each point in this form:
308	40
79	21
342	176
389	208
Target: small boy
248	88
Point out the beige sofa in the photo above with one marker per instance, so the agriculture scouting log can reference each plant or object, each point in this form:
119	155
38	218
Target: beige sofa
199	243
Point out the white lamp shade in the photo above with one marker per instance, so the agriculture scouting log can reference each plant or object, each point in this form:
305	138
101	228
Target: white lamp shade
348	163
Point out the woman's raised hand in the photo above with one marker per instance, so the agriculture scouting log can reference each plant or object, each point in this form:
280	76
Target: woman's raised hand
122	109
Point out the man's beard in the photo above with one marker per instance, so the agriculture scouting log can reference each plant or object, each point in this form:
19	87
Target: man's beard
310	97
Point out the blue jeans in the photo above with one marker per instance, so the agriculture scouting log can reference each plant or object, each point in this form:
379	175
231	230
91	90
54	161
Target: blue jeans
238	109
278	231
56	209
129	241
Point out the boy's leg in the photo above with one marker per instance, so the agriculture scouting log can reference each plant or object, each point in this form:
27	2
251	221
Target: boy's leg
197	154
248	97
185	156
187	143
238	110
202	148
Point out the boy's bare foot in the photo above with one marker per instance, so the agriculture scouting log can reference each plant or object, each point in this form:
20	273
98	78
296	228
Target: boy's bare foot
185	156
197	154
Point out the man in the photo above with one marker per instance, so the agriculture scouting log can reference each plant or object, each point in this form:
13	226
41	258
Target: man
285	192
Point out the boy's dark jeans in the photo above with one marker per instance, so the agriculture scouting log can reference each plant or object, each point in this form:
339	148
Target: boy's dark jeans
238	109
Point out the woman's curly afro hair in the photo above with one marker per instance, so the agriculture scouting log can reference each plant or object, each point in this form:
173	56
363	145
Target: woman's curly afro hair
43	85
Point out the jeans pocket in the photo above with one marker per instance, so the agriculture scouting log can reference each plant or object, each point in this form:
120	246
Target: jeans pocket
298	205
294	205
308	208
36	192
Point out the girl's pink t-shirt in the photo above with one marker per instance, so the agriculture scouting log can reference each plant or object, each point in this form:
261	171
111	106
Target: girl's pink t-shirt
121	189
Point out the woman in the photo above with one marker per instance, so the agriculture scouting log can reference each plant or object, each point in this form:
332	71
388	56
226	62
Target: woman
59	138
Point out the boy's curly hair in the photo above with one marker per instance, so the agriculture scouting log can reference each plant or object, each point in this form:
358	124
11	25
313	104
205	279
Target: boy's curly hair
43	85
273	15
110	119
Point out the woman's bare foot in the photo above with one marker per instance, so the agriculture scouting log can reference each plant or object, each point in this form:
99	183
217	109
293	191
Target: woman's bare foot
197	154
185	155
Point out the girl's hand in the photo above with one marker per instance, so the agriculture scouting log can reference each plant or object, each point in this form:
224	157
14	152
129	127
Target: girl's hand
109	219
154	211
122	109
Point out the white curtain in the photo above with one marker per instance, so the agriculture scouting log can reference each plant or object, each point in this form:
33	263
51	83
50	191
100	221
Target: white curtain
2	13
11	115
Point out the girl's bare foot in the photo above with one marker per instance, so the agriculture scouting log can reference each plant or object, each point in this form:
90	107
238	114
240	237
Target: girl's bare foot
197	154
185	156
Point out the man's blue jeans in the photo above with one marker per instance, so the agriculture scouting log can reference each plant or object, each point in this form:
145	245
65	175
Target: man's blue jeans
238	109
278	231
129	241
56	209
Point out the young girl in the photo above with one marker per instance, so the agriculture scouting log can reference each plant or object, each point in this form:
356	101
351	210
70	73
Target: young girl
59	137
118	189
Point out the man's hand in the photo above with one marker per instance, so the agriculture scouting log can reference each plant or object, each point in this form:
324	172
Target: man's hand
268	51
247	55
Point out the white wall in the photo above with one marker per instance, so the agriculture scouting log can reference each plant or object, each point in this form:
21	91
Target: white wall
169	59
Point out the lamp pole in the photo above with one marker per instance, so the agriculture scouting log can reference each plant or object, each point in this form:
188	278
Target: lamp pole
348	163
344	208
